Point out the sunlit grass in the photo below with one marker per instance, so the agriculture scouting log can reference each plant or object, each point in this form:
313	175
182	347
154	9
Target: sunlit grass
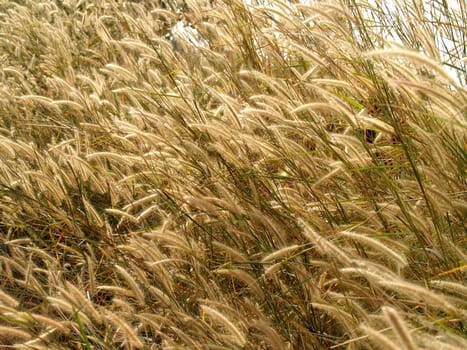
294	178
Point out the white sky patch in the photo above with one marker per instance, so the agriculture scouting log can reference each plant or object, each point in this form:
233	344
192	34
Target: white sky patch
185	32
189	34
432	14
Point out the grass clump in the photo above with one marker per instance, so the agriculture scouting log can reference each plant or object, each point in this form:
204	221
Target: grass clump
221	174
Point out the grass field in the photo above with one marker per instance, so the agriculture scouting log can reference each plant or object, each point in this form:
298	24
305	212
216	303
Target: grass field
265	176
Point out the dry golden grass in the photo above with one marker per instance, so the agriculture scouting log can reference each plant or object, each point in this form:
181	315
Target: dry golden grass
286	176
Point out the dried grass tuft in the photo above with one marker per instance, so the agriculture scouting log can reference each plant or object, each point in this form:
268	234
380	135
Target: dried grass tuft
232	174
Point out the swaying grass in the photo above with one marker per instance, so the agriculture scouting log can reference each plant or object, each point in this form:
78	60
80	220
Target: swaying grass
275	176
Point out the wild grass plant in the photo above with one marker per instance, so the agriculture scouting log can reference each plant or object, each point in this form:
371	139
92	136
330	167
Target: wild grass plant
284	176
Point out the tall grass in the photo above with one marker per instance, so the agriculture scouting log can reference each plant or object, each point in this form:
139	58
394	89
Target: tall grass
284	176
